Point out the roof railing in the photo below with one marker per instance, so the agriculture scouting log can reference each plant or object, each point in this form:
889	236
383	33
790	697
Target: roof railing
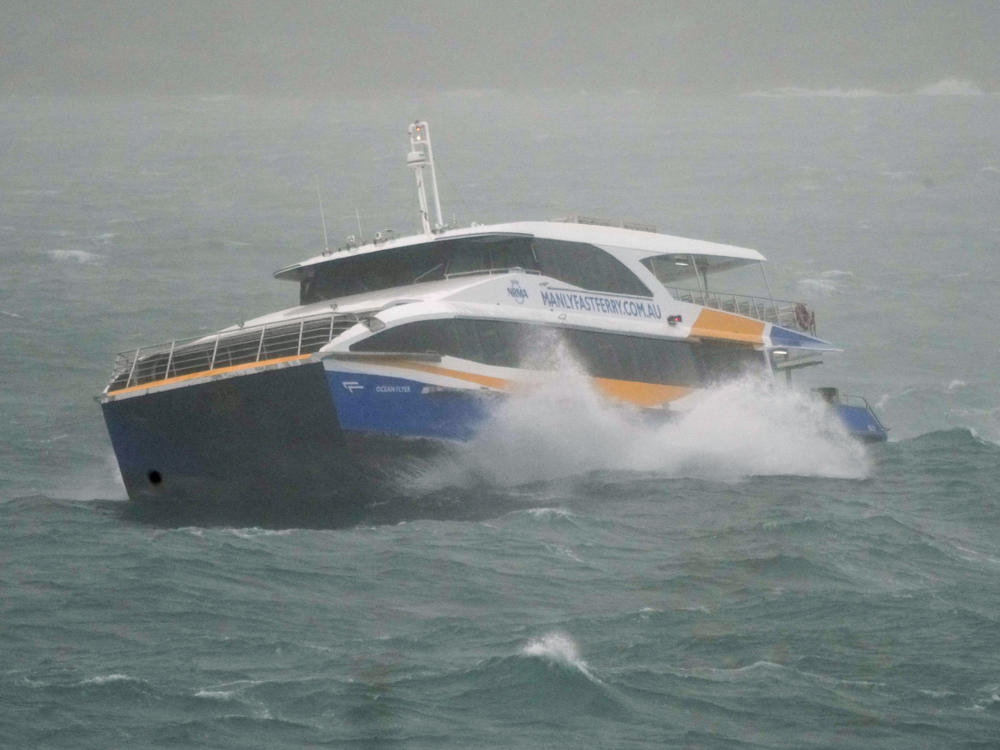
491	272
785	313
598	221
195	355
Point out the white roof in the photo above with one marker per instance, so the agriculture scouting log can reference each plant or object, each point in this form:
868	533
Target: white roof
644	243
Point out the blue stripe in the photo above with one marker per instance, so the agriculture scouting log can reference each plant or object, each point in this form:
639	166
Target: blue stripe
795	340
405	408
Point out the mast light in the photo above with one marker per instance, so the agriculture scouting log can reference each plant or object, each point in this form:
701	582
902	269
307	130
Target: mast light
420	157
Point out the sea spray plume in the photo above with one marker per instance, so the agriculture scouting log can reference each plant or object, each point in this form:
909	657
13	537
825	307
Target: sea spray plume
557	425
559	649
563	427
755	427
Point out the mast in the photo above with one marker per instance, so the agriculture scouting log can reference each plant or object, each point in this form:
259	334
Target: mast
419	158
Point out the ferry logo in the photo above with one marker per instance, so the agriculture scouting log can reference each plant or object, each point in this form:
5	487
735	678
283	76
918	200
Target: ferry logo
517	292
352	385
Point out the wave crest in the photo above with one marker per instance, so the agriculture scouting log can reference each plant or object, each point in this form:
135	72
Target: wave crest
564	428
558	648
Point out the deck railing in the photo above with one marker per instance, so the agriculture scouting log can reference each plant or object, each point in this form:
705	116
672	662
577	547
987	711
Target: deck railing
227	348
785	313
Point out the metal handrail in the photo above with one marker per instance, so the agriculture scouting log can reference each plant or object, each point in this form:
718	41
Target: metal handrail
785	313
227	348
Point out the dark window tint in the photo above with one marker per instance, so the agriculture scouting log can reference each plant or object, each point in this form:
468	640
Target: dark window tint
575	263
587	267
637	358
721	360
604	355
409	265
484	254
463	339
419	337
492	342
500	342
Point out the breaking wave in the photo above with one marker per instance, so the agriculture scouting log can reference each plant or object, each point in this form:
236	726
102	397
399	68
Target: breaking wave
559	649
79	256
743	428
795	91
944	87
951	87
828	282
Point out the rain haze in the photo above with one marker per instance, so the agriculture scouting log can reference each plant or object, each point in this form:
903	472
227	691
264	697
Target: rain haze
321	47
714	563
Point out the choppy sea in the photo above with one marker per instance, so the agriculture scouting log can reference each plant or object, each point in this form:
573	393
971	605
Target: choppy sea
574	578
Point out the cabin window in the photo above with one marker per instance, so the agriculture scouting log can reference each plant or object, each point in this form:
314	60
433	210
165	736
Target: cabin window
413	264
371	272
636	358
492	342
723	360
710	273
587	267
603	355
576	263
410	338
488	254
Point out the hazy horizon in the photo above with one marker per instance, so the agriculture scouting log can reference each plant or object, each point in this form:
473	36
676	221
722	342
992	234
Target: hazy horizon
303	48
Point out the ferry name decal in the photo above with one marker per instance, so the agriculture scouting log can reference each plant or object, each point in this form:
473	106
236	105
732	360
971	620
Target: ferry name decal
629	308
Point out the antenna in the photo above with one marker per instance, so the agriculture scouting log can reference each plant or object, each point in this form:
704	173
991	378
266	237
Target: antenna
326	240
421	157
357	215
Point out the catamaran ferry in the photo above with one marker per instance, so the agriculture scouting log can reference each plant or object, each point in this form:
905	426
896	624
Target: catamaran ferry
401	343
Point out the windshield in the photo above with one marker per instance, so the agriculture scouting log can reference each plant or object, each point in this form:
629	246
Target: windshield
709	273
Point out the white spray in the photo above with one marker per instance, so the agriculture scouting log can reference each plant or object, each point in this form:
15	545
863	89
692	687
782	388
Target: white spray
563	427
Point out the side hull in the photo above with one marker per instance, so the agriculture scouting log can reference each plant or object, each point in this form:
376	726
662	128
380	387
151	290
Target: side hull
255	442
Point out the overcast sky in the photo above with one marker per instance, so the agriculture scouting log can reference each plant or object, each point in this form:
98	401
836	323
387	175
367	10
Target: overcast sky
318	47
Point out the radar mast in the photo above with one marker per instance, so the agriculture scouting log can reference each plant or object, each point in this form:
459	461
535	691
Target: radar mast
420	158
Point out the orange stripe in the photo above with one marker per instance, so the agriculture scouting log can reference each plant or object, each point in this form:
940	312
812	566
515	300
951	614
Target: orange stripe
499	384
716	324
633	392
640	394
207	373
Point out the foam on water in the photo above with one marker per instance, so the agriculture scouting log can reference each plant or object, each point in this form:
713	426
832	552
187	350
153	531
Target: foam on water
564	427
797	91
951	87
79	256
829	282
106	679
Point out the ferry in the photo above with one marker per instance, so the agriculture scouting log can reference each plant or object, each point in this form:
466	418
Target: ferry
400	345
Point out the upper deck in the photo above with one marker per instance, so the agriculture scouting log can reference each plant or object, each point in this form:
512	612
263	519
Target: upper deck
603	262
641	242
584	254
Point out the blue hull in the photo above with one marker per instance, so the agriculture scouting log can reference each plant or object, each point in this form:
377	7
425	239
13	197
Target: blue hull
293	444
406	408
862	423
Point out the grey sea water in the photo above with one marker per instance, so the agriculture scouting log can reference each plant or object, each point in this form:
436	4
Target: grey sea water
744	579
